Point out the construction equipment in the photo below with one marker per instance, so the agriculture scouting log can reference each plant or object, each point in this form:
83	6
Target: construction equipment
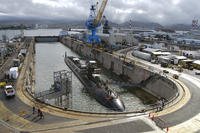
2	84
93	22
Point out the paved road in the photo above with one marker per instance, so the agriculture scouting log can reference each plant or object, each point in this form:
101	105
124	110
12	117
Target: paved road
18	107
127	127
191	109
5	67
15	105
5	129
9	62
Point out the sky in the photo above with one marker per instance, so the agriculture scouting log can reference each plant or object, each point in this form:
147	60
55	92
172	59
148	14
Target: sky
118	11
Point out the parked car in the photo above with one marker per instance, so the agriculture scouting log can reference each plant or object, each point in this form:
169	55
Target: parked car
165	71
9	91
197	73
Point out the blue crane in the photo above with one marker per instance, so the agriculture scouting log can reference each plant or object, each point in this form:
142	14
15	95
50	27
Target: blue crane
93	22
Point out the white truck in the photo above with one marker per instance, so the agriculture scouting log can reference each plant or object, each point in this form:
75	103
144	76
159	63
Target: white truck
9	91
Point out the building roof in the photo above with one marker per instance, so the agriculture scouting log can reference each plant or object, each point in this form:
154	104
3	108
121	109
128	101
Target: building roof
161	53
14	69
92	61
103	35
16	59
164	57
42	32
76	59
188	60
197	62
8	86
151	50
73	33
23	51
179	57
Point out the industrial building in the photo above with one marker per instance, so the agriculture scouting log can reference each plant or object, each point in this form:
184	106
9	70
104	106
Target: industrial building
187	64
164	59
176	59
142	55
196	64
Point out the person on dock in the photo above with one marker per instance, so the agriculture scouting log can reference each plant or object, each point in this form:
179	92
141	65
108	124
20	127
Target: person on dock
33	109
38	112
163	103
41	114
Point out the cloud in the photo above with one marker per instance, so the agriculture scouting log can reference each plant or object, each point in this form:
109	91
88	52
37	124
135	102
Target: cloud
161	11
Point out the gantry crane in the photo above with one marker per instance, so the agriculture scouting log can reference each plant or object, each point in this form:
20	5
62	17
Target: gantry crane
93	22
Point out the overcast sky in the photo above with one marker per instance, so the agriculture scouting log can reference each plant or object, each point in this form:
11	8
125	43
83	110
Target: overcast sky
161	11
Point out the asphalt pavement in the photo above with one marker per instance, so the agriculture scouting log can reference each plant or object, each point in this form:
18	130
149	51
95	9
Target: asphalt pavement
19	108
137	126
192	108
189	110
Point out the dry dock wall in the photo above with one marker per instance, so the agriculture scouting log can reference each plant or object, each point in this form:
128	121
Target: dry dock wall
109	61
113	62
161	87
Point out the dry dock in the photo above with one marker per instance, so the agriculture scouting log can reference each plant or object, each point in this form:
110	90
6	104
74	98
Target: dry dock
16	114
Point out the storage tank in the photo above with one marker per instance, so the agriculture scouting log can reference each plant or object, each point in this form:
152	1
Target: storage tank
142	55
13	73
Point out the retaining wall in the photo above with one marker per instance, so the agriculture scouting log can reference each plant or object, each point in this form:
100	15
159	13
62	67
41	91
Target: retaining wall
160	87
109	61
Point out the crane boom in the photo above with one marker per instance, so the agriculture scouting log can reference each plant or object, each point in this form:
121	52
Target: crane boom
100	12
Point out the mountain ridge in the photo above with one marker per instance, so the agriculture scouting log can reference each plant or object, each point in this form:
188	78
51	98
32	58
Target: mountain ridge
12	20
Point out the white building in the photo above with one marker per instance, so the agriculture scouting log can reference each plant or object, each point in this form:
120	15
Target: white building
176	59
160	46
118	38
164	59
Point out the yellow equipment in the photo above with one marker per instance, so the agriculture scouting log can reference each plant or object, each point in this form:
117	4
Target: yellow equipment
100	12
2	84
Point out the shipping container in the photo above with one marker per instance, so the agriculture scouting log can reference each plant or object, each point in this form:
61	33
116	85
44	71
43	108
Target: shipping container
142	55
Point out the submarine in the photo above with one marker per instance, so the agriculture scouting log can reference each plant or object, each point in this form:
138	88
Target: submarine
89	75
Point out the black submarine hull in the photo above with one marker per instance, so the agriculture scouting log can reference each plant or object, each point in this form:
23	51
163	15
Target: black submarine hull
101	95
